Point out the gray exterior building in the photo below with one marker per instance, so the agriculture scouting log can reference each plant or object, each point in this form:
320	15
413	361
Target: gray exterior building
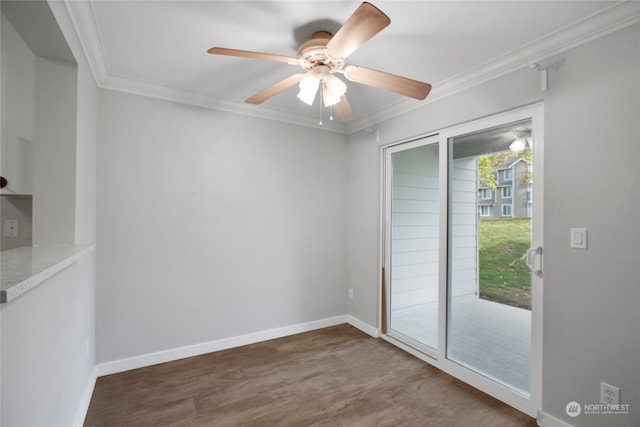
512	196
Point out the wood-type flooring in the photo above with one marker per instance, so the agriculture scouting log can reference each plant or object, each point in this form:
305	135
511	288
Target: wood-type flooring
336	376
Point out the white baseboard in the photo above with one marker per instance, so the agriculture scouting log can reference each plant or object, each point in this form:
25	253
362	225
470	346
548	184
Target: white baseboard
149	359
364	327
546	420
85	400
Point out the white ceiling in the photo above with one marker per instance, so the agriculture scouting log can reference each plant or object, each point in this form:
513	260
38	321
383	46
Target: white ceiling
162	46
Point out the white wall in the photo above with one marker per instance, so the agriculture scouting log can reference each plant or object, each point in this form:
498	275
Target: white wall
16	148
415	227
464	227
85	155
592	325
18	109
213	225
54	204
47	349
592	321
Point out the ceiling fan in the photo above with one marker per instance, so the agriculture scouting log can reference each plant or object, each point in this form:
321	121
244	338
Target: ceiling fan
324	55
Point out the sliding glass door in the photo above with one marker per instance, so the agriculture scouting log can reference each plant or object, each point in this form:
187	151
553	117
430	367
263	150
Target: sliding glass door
463	252
489	287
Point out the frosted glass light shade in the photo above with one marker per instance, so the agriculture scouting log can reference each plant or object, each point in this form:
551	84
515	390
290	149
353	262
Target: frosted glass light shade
308	88
332	87
333	90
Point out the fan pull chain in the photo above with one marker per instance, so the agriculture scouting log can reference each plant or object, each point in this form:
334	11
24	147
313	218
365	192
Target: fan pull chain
320	104
331	113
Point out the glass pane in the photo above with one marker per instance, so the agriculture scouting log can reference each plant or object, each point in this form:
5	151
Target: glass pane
489	317
415	244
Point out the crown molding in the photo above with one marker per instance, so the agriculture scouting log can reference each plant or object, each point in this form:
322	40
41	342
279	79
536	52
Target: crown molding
83	20
617	16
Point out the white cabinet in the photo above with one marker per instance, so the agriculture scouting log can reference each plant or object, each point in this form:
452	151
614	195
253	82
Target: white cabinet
18	112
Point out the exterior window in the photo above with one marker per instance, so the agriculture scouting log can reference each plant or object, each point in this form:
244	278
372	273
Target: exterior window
485	194
485	211
506	210
508	174
507	192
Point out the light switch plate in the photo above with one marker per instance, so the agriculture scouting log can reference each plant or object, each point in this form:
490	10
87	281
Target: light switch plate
578	238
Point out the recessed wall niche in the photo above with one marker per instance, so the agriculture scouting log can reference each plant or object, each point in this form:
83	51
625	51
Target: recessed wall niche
39	104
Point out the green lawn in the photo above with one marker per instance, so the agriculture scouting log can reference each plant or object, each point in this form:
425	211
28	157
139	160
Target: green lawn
504	276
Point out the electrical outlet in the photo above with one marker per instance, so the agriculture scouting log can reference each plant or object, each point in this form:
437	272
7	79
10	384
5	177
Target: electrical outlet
609	395
10	228
350	293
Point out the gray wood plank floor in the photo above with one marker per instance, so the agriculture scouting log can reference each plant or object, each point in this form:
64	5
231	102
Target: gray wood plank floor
335	376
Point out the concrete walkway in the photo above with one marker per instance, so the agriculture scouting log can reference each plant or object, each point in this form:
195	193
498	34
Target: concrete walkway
491	338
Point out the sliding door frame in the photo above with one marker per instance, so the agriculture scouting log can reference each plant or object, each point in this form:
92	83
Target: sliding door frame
437	357
388	150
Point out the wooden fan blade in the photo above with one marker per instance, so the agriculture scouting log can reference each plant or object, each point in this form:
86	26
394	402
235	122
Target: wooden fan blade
391	82
366	22
254	55
284	84
343	109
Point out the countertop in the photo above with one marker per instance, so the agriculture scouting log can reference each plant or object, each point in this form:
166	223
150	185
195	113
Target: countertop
22	269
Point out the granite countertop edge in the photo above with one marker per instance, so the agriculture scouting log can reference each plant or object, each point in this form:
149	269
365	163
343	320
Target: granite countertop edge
23	269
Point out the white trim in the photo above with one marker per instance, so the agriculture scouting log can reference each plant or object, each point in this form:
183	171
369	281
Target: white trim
547	420
158	91
537	240
364	327
616	17
503	191
387	185
169	355
619	15
506	171
85	400
465	375
515	162
84	23
149	359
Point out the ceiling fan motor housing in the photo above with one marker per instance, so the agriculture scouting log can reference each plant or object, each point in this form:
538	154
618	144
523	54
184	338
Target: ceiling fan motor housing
313	53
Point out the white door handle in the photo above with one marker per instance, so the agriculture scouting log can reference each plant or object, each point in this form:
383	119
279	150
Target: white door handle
531	256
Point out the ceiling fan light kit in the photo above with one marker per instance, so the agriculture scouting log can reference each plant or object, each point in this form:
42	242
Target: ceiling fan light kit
308	88
332	90
332	87
324	55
